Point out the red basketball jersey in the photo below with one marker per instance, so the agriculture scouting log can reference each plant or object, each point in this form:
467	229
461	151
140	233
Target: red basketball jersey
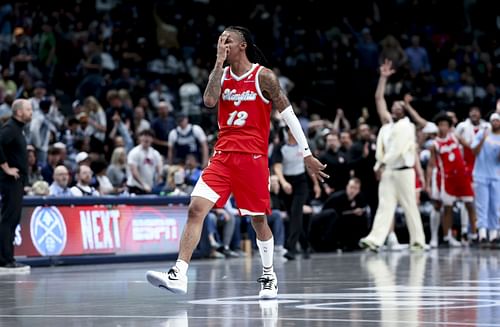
449	155
244	113
469	156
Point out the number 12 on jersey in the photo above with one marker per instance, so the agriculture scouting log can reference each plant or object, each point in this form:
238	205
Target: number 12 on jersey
237	118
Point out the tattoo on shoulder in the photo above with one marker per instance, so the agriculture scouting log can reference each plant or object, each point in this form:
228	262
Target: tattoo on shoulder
271	89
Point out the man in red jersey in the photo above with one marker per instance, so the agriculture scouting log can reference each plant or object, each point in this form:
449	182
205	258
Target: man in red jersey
245	93
455	183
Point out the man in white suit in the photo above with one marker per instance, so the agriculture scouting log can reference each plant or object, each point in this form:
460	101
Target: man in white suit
395	157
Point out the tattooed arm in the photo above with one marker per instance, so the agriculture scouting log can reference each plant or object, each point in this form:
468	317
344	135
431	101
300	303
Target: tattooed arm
271	90
212	92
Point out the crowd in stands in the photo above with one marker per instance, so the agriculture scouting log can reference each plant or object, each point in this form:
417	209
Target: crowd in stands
116	88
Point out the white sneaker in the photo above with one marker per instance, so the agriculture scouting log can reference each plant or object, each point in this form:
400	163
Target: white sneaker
268	286
452	242
171	280
280	250
396	246
433	243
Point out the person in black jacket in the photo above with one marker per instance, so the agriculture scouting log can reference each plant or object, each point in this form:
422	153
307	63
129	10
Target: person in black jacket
342	220
13	177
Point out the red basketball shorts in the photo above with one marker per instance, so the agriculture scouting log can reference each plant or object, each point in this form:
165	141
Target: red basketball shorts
244	175
457	186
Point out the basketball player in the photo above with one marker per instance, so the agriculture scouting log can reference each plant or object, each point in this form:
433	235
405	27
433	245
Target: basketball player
245	93
455	183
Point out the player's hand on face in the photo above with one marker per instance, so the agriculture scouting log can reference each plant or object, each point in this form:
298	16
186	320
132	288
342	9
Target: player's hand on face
316	168
222	47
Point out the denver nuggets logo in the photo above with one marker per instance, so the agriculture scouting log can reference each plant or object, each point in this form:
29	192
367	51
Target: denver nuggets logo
48	230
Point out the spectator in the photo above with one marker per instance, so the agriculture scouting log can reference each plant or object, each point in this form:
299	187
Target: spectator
289	166
82	187
53	159
185	139
118	113
470	92
190	99
96	128
162	125
21	52
418	58
144	164
47	50
343	220
160	94
40	188
82	158
103	184
42	130
337	164
140	122
450	77
176	181
392	50
192	171
117	170
59	186
362	156
34	173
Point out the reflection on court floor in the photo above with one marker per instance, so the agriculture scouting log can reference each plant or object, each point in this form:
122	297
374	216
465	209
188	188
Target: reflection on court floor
445	287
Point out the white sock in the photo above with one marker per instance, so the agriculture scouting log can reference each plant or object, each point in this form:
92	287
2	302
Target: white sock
493	234
449	235
464	217
435	221
482	233
182	266
266	250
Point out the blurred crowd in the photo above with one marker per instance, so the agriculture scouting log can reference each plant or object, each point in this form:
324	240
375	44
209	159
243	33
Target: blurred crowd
116	88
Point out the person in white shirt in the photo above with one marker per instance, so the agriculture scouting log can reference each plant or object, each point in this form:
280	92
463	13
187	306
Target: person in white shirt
145	165
395	155
82	187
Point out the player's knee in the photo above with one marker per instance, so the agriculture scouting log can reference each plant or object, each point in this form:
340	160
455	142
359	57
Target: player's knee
258	221
196	212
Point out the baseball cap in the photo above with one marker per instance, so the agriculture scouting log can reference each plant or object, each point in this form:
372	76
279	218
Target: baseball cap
59	145
81	156
430	128
494	116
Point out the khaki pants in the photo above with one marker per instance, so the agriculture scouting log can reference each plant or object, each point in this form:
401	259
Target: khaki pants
397	186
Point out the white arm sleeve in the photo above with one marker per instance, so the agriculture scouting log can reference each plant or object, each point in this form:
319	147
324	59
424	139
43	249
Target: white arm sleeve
293	123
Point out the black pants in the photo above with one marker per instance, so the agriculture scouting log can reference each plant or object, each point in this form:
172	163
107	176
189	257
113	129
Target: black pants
330	231
294	203
12	191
